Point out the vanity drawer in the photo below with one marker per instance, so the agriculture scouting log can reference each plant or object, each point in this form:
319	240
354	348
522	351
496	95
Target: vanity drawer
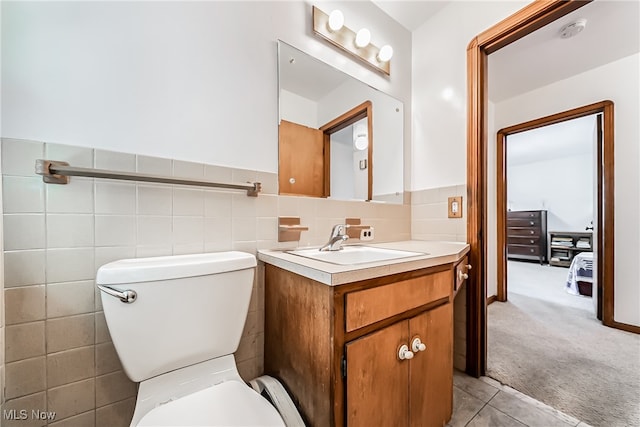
369	306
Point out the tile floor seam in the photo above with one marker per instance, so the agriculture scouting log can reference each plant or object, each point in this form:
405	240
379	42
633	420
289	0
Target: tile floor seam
476	414
510	416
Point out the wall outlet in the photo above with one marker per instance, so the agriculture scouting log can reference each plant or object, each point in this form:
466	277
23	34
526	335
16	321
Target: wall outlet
366	234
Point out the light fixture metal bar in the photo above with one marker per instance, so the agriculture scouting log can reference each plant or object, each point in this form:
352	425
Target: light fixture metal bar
54	172
345	38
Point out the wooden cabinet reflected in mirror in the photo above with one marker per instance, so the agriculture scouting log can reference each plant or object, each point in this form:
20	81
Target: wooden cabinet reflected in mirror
326	133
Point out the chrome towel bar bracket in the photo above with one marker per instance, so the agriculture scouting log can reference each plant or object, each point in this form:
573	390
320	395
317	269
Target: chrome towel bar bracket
55	172
126	297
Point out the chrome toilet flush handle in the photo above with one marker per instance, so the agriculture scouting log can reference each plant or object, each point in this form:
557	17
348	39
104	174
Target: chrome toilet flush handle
126	297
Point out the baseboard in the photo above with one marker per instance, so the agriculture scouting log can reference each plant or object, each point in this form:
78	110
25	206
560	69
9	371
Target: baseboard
625	327
491	299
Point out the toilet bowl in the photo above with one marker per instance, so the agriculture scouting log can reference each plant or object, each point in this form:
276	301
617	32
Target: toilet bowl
175	322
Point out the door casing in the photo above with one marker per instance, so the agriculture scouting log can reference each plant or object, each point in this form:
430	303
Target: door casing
605	204
525	21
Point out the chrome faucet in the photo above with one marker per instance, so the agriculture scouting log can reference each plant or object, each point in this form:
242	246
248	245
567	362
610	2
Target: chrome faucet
338	237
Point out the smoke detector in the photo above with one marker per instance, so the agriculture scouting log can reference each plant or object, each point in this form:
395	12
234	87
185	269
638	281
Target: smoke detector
573	28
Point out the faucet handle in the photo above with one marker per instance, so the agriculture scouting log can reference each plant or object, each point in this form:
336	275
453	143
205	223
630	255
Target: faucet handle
338	230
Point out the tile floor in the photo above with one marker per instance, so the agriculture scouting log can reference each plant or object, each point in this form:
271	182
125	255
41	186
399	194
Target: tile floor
485	402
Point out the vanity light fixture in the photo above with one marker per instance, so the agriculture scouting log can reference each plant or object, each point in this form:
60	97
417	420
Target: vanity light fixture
385	54
361	142
360	137
331	27
363	38
336	20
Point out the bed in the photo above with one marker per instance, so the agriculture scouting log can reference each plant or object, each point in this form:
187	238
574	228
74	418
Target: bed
580	277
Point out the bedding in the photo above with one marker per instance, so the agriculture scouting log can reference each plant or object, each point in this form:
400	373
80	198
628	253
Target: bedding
580	271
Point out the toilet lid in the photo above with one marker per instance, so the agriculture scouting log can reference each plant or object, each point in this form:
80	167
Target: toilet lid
230	403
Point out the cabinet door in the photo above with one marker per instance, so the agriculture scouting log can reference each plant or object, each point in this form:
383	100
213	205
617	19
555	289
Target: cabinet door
377	381
431	370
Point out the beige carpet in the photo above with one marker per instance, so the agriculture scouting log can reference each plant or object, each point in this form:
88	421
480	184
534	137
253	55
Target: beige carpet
565	358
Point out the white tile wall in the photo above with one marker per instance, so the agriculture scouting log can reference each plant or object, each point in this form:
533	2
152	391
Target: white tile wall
22	194
61	234
75	197
429	219
153	165
154	200
69	231
24	231
115	198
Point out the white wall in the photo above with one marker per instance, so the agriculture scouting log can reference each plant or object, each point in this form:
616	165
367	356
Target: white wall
618	82
439	76
297	109
562	186
171	79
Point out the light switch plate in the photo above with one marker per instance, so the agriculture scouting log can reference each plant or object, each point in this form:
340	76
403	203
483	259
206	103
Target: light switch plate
455	207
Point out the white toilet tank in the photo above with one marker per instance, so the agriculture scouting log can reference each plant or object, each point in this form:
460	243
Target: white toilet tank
188	309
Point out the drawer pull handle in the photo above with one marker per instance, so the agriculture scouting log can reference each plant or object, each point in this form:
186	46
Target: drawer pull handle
531	232
533	250
464	276
417	345
531	222
532	240
404	353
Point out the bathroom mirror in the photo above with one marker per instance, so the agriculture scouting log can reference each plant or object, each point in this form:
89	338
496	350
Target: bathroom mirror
338	137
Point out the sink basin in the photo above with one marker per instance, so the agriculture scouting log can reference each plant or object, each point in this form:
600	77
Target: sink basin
350	255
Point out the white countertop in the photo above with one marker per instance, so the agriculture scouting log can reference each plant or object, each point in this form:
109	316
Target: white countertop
435	253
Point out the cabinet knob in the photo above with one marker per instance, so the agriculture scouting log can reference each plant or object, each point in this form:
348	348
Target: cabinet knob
417	345
462	275
533	250
404	353
532	241
531	232
469	267
531	222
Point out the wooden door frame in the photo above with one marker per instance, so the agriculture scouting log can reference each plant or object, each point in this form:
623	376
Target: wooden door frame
357	113
605	204
516	26
525	21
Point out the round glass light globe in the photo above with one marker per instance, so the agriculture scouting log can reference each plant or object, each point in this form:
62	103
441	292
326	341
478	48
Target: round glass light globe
385	54
361	142
336	20
363	37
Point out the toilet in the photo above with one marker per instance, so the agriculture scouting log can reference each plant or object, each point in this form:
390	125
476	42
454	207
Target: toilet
175	322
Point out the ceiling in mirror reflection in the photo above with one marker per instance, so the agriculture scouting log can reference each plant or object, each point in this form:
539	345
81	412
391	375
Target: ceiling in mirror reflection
303	75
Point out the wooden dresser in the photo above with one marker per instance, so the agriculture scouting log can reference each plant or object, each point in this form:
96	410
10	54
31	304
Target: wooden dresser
527	235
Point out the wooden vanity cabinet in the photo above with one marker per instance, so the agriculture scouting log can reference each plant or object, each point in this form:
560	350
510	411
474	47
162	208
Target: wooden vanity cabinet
336	348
